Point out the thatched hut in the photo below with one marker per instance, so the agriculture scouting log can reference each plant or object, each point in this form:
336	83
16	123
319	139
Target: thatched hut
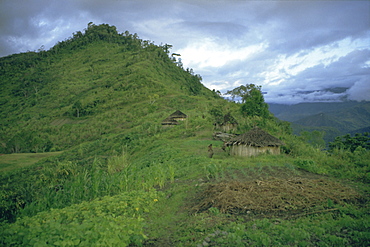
227	124
173	119
254	142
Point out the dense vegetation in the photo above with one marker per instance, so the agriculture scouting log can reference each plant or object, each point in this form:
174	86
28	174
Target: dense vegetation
119	178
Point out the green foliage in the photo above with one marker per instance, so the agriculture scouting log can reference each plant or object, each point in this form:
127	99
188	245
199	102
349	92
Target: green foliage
351	143
108	221
253	103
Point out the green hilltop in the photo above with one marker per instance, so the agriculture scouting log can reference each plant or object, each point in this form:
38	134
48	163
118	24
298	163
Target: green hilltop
86	161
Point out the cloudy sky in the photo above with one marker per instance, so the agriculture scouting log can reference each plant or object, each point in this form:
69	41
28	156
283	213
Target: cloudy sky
298	51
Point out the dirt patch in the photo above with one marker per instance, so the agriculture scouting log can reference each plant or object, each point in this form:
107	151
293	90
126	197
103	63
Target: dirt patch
274	196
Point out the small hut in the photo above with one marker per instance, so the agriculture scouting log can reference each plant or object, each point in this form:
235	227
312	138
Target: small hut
173	119
254	142
229	123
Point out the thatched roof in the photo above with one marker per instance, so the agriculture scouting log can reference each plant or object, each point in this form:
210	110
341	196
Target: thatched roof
256	137
178	114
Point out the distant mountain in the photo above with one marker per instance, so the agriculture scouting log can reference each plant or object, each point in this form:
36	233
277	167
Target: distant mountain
321	120
362	130
335	119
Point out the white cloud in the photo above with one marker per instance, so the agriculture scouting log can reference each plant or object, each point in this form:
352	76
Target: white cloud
360	90
286	67
209	52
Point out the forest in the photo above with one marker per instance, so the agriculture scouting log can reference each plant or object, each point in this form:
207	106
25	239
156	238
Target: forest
86	161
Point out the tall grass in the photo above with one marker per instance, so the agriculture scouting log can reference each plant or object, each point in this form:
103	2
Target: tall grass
66	183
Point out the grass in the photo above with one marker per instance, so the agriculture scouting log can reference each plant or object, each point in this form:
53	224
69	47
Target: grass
173	223
9	162
180	169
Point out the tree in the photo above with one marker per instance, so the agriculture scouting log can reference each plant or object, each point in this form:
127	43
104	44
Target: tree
253	103
351	143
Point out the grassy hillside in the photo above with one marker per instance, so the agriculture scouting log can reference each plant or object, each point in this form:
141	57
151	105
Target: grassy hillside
59	98
124	180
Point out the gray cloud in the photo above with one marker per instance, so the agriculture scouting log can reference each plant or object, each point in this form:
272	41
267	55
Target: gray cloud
301	24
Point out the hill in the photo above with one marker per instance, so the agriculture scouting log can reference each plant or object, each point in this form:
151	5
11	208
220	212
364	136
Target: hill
52	100
119	178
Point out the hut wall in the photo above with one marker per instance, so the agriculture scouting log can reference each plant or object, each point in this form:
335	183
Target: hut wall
246	151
